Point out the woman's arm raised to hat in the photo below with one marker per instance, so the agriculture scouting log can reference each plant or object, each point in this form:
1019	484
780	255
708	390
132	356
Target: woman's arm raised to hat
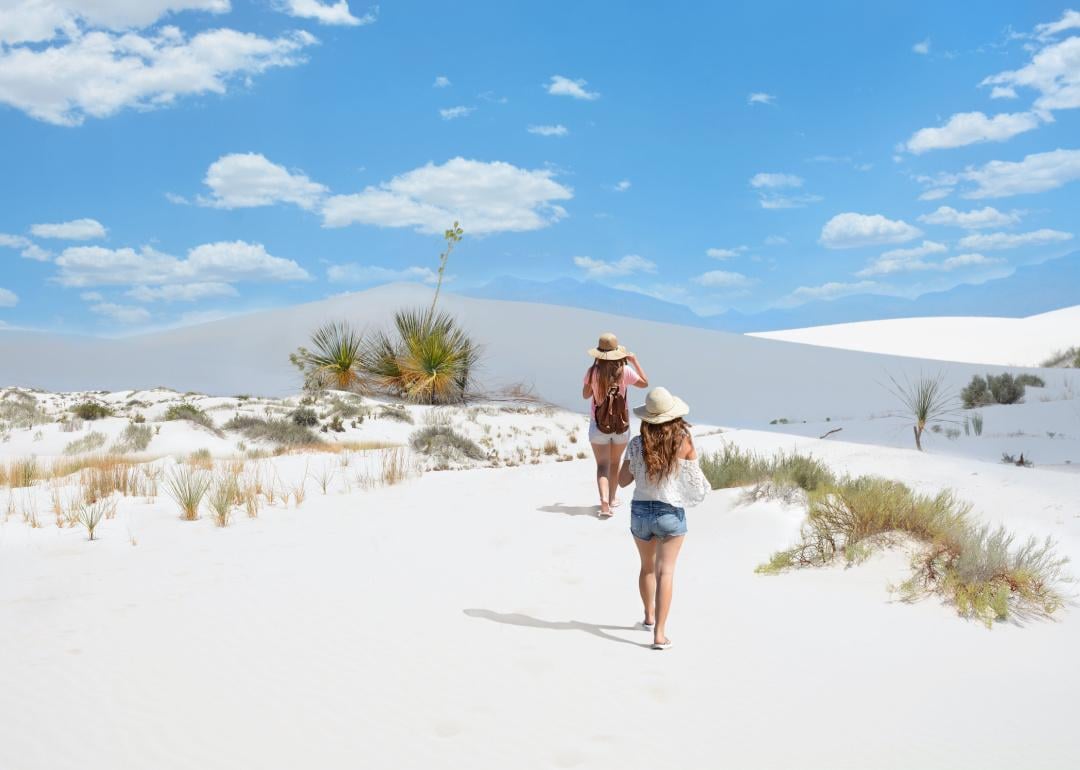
643	380
587	388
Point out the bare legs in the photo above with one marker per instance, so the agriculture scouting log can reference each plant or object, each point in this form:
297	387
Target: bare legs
655	579
608	456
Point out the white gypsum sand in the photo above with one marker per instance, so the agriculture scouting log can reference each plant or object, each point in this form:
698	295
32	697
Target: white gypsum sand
980	340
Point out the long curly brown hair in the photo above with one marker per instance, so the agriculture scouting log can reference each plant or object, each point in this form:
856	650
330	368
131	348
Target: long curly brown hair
660	446
608	373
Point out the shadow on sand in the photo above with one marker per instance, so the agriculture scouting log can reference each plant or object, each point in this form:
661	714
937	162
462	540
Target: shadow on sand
572	510
527	621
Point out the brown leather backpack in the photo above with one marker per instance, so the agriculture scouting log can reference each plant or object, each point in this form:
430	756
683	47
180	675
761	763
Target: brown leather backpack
612	415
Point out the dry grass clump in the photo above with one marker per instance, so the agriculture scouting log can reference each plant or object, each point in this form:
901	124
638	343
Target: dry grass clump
135	438
201	458
781	475
21	410
187	486
283	433
979	570
222	495
21	472
88	443
445	444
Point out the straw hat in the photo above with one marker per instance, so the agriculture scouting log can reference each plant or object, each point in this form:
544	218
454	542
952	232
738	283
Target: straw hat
661	406
608	349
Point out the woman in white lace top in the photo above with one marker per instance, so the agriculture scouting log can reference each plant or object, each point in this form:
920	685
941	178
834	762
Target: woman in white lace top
662	464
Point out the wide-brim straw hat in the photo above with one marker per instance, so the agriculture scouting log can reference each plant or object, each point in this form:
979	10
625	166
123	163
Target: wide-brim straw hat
608	348
660	407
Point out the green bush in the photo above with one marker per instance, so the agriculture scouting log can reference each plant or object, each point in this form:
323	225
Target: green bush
1067	358
91	410
189	412
779	475
302	415
280	432
997	389
445	444
1030	380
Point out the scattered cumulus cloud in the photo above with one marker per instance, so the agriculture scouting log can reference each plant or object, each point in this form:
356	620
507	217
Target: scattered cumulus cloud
922	47
39	21
100	73
563	86
1069	20
327	12
36	253
8	298
453	113
970	128
364	274
724	253
777	201
850	230
247	180
774	181
760	97
622	185
599	268
441	81
1041	237
976	219
27	248
485	197
179	292
1036	173
556	130
1053	73
936	193
75	230
722	279
125	314
1003	92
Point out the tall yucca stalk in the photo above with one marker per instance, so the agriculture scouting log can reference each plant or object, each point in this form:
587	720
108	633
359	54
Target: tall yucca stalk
436	360
334	359
453	236
926	401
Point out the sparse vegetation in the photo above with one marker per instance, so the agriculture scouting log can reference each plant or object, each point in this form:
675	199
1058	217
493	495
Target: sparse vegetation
445	445
977	423
191	413
91	514
926	402
1063	358
91	410
135	438
88	443
333	361
997	389
303	415
395	412
780	475
188	486
222	496
284	433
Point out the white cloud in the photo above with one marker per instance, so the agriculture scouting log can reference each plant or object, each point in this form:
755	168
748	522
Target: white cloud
936	193
966	128
125	314
1003	92
831	290
36	253
326	13
13	241
622	185
224	261
8	298
912	260
92	296
453	113
561	86
773	181
775	240
849	230
181	292
722	279
969	260
356	273
1053	72
179	200
926	248
759	97
485	197
99	73
725	253
976	219
1069	20
245	180
557	130
774	201
28	248
631	263
37	21
1036	173
75	230
1014	240
441	81
922	47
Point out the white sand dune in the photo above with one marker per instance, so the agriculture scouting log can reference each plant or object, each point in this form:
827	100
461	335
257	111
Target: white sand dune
730	379
1003	341
391	628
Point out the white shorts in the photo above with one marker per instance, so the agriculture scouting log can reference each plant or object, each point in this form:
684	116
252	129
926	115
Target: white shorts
596	436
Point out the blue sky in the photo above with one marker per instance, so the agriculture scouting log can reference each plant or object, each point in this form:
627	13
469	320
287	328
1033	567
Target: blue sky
166	161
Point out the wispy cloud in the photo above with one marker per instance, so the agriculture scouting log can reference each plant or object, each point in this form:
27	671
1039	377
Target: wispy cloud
599	268
563	86
922	47
453	113
976	219
1042	237
75	230
760	97
622	185
775	180
331	13
555	130
441	81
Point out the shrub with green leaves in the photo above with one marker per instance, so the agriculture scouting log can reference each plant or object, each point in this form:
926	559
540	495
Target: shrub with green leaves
303	415
189	412
188	486
1001	388
91	410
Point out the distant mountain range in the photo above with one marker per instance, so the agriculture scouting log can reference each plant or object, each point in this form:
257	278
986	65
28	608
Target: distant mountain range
1031	290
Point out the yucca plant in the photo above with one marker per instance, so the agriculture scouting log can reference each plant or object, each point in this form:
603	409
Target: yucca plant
437	359
188	486
926	401
334	358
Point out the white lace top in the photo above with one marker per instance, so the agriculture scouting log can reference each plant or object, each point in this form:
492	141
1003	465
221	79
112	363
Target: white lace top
683	487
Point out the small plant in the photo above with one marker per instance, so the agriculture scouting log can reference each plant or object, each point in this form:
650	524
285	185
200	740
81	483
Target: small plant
222	496
445	444
1020	461
91	410
550	447
91	514
135	438
280	432
191	413
977	423
395	466
88	443
335	424
201	458
1030	380
325	476
333	360
303	415
188	486
925	401
395	412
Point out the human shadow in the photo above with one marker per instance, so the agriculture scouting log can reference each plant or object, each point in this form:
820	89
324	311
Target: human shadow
527	621
572	510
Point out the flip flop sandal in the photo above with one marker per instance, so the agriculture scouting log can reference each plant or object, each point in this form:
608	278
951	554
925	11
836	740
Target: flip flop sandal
662	645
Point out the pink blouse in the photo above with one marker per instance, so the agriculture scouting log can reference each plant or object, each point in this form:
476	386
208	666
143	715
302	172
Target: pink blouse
629	377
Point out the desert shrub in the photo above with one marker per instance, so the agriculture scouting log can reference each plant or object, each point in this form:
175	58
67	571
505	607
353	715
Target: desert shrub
1030	380
135	438
780	475
91	410
733	467
980	571
1005	388
997	389
187	486
445	444
303	415
280	432
1068	358
21	410
926	402
88	443
91	514
138	419
191	413
427	359
395	412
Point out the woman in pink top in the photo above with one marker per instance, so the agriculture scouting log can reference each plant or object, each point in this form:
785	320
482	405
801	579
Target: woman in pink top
605	385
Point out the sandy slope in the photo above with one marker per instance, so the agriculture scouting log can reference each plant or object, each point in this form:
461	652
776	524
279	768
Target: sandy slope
730	379
389	629
1003	341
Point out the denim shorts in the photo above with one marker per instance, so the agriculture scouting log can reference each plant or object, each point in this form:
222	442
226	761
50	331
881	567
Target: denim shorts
649	518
